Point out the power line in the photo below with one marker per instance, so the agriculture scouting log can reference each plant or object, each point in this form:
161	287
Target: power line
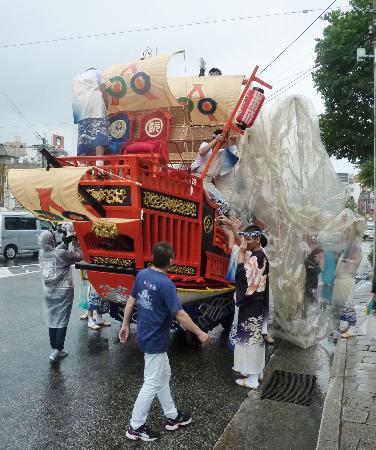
300	35
38	125
282	80
163	27
305	72
287	87
18	112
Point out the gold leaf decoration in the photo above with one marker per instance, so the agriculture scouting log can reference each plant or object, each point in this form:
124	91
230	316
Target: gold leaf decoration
105	229
169	204
112	261
109	196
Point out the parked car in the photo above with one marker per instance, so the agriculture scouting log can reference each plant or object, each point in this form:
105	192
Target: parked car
19	231
369	231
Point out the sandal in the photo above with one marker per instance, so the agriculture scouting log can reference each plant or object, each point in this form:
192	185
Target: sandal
269	340
244	382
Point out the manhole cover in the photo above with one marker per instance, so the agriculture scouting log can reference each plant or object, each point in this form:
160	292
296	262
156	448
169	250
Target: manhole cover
290	387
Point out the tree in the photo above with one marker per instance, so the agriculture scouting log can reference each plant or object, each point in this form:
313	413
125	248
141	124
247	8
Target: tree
365	174
346	85
351	204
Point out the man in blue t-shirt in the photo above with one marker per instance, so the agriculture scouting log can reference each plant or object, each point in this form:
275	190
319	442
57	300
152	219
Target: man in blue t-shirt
157	306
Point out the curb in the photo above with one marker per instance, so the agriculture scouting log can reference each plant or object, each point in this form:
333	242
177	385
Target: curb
329	432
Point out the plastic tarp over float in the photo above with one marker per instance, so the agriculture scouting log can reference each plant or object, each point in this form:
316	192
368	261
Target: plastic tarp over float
285	179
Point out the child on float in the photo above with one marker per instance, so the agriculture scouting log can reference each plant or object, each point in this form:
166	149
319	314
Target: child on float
252	296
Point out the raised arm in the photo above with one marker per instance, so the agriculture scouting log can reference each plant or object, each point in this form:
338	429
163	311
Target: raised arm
205	149
70	255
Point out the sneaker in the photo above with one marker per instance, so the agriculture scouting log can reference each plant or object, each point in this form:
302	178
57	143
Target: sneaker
181	420
63	353
144	433
55	355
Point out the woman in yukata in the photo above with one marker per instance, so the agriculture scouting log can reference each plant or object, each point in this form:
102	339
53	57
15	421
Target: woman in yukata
252	292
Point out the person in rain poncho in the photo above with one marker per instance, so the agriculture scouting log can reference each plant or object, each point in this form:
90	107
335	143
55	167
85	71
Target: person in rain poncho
58	287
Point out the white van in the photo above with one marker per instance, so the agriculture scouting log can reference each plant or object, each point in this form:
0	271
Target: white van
19	231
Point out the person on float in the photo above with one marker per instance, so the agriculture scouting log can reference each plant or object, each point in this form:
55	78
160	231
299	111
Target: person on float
89	103
58	289
219	177
251	286
157	306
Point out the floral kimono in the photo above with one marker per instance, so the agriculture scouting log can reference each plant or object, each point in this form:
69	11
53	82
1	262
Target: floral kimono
252	297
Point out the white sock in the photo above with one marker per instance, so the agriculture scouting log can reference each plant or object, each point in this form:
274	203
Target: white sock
252	379
91	322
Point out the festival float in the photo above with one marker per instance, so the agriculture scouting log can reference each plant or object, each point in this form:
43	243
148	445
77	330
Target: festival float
146	193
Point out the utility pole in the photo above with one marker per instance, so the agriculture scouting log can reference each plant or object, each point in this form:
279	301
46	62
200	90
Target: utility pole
374	137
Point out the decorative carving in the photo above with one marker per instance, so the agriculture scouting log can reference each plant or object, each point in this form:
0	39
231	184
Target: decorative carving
118	294
183	270
105	229
169	204
119	262
109	196
208	224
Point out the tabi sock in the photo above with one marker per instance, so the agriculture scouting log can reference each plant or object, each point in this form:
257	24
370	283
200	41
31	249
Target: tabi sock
252	380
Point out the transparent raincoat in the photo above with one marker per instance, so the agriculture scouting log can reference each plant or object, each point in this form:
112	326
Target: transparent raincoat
57	278
285	179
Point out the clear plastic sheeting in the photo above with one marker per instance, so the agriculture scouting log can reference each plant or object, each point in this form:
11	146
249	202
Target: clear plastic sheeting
285	179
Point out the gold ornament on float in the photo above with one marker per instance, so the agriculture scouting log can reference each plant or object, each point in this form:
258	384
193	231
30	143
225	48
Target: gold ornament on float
105	230
208	224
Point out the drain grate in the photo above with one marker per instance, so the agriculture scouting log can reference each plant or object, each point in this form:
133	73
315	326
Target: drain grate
290	387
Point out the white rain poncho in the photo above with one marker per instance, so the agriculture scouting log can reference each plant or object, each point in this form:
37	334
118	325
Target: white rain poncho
58	290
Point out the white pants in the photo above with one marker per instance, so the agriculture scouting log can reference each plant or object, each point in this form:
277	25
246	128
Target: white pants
157	374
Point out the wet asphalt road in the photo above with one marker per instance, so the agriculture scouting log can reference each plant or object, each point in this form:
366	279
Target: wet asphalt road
85	401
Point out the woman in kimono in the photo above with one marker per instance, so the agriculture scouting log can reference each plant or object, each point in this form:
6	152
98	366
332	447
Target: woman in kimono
251	285
58	290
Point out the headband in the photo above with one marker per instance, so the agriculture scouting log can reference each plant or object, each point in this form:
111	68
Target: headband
251	233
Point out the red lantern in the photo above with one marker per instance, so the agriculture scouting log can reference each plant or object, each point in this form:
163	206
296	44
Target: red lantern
250	108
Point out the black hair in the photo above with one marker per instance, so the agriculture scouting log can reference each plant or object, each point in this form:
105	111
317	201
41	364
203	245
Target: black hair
162	253
316	251
215	71
217	132
263	239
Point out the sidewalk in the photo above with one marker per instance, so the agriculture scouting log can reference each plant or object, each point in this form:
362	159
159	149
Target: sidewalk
349	414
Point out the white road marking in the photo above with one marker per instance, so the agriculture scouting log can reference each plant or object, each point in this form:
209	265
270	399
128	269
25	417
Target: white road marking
13	271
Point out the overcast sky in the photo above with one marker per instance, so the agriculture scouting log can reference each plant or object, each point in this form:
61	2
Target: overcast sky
37	78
